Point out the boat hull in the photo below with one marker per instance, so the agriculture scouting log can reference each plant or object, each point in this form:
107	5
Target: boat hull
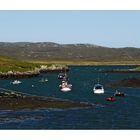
119	94
110	99
16	82
98	91
66	89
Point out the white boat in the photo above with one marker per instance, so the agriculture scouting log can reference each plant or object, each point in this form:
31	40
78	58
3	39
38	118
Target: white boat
43	80
98	89
65	87
16	82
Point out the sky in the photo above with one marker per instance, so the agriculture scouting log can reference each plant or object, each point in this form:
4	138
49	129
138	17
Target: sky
106	28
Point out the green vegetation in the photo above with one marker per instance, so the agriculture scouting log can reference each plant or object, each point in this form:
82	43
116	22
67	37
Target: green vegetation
10	64
48	50
84	62
137	68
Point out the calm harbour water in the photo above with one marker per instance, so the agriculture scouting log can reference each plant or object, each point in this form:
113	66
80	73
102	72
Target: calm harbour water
124	113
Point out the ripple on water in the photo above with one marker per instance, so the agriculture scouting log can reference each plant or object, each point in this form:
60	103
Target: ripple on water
122	114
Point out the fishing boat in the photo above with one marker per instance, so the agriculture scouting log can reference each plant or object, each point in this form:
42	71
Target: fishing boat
120	94
16	82
65	87
43	80
98	89
62	76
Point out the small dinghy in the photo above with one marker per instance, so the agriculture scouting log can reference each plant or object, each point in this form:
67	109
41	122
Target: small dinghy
120	94
65	87
43	80
110	99
16	82
98	89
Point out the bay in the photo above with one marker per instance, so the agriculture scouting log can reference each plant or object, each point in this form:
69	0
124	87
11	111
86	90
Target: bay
124	113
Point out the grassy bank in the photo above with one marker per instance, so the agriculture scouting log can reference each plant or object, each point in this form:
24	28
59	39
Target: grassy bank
10	64
137	68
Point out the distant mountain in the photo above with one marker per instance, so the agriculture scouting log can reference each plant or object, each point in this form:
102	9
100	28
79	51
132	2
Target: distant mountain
50	50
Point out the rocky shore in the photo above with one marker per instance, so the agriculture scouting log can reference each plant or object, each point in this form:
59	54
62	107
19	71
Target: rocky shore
123	71
35	72
130	82
11	74
16	101
53	68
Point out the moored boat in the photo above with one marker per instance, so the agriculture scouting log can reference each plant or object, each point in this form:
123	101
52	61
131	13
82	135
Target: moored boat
110	99
98	89
16	82
65	87
43	80
62	76
120	94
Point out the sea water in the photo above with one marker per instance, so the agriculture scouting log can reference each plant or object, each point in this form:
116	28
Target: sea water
124	113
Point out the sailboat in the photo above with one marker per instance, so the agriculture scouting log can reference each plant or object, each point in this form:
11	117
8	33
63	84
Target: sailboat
64	86
98	88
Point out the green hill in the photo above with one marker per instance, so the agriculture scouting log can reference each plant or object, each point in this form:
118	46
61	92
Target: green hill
74	52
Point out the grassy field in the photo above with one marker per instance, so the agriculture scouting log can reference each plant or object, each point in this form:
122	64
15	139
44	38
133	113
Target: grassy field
10	64
137	68
87	62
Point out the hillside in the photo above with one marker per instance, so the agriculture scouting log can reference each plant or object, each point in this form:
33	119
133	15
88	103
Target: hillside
10	64
53	51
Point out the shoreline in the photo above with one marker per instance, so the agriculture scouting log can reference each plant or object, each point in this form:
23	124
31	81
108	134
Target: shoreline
57	67
103	64
86	62
129	82
33	73
17	101
122	71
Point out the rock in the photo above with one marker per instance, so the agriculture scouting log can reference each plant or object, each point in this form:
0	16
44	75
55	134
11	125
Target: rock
35	72
130	82
14	102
